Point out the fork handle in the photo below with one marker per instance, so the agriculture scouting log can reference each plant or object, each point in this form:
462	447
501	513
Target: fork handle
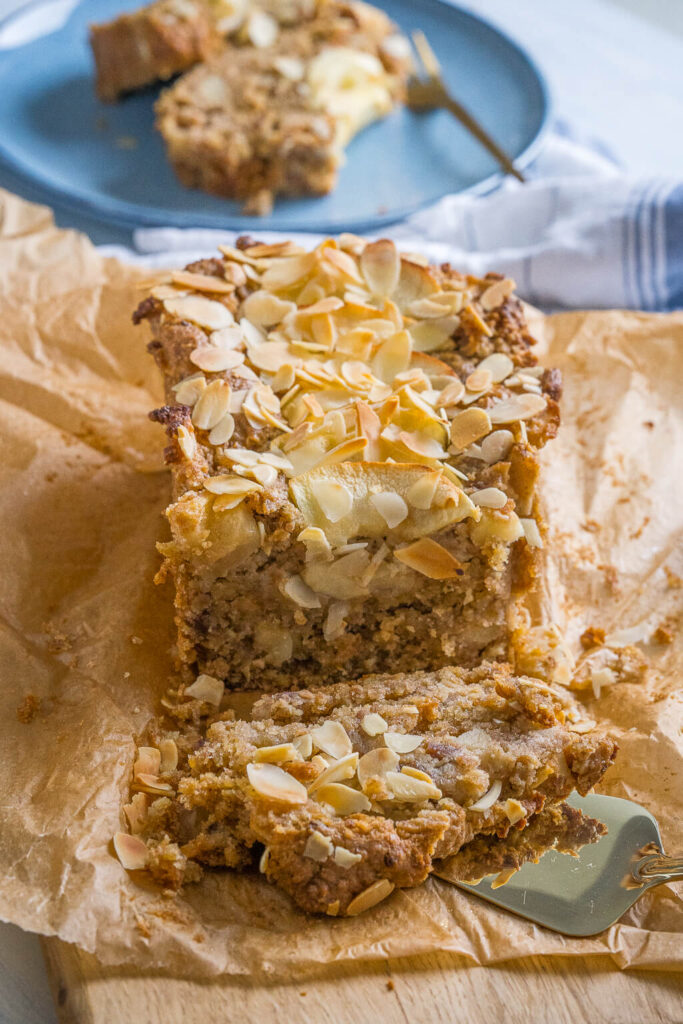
657	868
464	116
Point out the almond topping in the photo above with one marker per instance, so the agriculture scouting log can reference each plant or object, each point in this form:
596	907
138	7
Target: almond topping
152	784
148	761
391	507
345	859
392	356
206	688
496	294
335	499
370	897
304	744
344	768
430	558
131	851
381	266
373	724
342	799
451	394
226	484
298	591
276	784
187	442
332	738
200	310
223	430
518	407
488	799
212	405
402	742
514	810
498	365
169	756
421	494
375	764
468	426
407	787
201	282
479	380
136	812
278	754
265	310
188	391
496	446
532	533
215	360
489	497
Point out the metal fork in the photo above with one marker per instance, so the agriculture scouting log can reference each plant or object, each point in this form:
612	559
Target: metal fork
429	92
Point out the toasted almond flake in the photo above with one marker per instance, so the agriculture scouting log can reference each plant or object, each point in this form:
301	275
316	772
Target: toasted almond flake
488	799
496	446
432	335
206	688
272	782
201	282
298	591
189	390
216	360
343	453
201	311
318	847
393	356
152	784
416	773
283	380
370	897
136	812
375	764
373	724
238	255
498	365
518	407
514	810
335	620
381	265
408	788
451	394
343	263
304	744
402	742
265	475
600	678
421	494
421	444
226	484
131	851
430	558
226	502
265	309
332	738
290	67
374	564
279	753
489	497
263	861
496	294
532	533
477	320
234	273
212	405
342	799
344	768
187	442
468	426
169	756
148	761
335	499
223	430
345	859
261	28
584	726
317	545
479	380
391	507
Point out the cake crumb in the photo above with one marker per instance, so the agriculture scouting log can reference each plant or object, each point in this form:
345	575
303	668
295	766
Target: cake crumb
28	709
592	637
662	635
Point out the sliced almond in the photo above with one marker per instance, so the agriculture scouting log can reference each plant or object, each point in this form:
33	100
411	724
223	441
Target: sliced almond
421	494
136	812
335	621
408	788
375	764
532	533
152	784
265	309
212	405
216	360
391	507
234	485
496	294
488	799
498	365
517	407
432	335
188	391
344	768
381	266
451	394
272	782
317	545
201	282
345	859
263	861
223	430
342	799
335	499
298	591
489	497
430	558
169	756
201	311
468	426
148	761
496	446
514	810
370	897
279	753
206	688
416	773
187	442
131	851
261	29
479	380
373	724
402	742
393	356
332	738
304	744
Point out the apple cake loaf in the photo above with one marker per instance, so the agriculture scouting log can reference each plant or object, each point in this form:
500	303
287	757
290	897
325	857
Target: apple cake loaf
353	443
351	790
255	122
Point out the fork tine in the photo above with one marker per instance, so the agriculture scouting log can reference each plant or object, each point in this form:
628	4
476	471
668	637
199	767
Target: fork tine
426	54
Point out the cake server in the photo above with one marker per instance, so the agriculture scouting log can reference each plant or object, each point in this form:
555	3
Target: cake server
583	895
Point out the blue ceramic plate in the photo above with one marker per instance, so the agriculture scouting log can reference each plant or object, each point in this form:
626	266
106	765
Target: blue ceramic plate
59	139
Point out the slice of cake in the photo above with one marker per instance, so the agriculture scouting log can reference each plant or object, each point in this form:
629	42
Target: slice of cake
353	441
349	791
256	122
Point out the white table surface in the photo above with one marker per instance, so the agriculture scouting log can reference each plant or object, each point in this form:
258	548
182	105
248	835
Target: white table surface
616	76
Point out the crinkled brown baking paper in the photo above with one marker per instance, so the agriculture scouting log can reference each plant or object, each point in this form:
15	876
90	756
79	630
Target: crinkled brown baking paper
85	630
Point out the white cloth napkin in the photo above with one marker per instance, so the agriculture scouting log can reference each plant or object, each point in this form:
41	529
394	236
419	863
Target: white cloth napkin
578	233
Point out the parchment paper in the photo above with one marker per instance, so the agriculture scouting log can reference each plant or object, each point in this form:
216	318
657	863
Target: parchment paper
86	633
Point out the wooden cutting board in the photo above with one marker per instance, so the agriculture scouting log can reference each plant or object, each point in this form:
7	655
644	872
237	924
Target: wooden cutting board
436	989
